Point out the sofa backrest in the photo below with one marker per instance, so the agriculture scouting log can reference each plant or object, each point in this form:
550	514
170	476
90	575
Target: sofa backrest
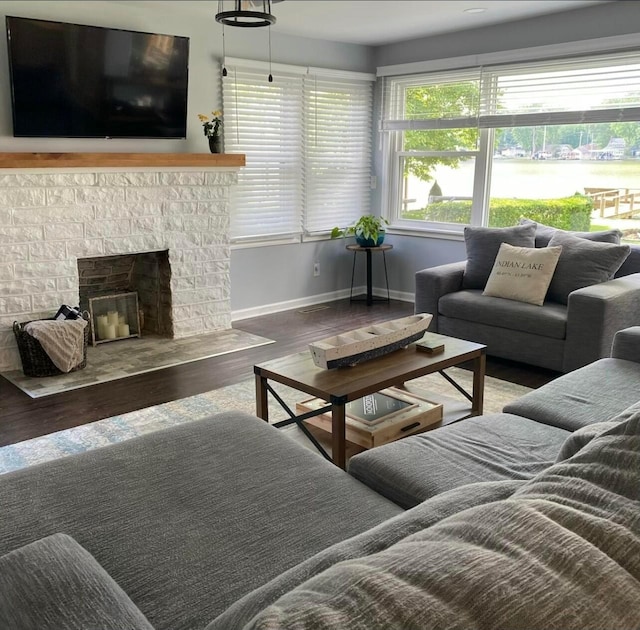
563	551
631	264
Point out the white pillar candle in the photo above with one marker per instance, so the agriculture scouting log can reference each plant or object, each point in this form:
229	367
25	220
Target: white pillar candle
110	331
121	319
102	322
123	330
112	317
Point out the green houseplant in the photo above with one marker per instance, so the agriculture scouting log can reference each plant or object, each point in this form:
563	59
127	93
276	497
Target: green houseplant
212	129
369	230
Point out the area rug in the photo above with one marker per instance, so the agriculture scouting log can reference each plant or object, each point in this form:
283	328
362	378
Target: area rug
111	361
240	397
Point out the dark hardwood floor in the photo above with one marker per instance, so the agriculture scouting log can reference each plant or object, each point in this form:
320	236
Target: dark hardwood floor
22	417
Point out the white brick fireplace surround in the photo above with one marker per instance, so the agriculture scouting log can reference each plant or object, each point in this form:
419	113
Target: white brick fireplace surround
56	208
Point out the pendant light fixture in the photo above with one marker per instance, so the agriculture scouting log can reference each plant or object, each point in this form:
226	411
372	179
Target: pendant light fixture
246	14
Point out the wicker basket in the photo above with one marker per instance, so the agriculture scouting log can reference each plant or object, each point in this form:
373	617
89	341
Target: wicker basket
35	361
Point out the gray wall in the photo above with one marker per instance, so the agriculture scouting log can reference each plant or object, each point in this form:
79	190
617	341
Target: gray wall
283	274
259	275
604	20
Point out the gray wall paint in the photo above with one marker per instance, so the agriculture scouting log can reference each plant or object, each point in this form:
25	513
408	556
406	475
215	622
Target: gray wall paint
261	275
602	20
616	18
278	274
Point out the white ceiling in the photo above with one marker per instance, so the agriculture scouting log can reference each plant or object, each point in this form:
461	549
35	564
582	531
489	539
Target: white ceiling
376	22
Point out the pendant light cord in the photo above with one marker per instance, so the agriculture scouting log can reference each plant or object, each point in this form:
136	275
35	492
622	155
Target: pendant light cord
270	75
235	95
224	55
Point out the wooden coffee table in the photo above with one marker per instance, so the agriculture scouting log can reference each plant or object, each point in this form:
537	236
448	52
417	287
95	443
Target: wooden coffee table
342	385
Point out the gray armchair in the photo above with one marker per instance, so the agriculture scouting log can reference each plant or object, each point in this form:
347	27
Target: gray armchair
555	336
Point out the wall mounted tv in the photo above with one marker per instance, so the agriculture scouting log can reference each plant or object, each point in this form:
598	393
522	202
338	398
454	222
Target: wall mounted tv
73	81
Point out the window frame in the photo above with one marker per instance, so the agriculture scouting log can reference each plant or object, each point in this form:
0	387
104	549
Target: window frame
392	126
307	153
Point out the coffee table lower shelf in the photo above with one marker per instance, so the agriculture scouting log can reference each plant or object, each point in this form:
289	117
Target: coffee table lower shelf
379	418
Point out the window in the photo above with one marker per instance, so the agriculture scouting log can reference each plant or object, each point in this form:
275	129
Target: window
307	138
462	145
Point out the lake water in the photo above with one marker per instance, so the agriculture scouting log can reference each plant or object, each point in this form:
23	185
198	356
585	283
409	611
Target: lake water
533	179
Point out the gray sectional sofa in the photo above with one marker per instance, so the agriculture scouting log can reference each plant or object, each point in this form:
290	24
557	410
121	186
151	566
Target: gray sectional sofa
515	520
564	333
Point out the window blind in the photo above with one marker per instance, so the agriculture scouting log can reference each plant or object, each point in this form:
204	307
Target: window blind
593	89
337	165
415	102
605	88
264	121
307	140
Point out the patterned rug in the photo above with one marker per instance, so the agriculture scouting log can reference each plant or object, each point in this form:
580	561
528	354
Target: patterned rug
240	396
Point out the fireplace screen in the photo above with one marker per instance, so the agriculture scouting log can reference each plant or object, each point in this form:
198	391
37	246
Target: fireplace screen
114	317
147	274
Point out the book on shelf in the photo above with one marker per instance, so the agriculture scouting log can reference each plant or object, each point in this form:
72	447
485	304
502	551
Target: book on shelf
375	408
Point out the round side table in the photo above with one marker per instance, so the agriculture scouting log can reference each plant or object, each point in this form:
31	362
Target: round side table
369	298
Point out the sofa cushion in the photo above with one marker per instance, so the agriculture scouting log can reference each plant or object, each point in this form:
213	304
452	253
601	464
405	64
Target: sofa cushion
482	248
580	438
631	264
562	552
550	321
189	519
54	583
583	263
544	234
373	540
522	273
483	448
514	345
594	393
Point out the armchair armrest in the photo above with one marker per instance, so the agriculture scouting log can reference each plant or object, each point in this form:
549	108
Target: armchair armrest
595	314
433	283
626	344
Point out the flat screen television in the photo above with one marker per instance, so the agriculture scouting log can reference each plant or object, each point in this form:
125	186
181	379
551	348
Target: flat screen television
74	81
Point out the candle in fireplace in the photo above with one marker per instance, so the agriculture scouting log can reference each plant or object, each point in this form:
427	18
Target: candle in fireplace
102	322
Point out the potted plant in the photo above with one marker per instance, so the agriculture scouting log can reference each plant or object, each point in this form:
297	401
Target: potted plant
212	130
369	230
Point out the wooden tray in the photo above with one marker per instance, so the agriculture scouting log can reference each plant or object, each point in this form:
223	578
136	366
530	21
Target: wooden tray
406	414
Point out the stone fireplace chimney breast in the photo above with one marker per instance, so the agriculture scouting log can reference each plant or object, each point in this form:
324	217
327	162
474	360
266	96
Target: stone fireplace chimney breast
51	218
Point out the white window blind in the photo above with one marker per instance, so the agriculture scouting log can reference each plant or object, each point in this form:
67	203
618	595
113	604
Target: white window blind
264	121
605	88
337	151
307	140
401	112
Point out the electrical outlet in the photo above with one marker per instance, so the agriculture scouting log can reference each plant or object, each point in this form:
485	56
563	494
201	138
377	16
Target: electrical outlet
316	269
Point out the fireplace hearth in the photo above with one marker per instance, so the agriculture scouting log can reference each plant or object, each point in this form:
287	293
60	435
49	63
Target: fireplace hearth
172	222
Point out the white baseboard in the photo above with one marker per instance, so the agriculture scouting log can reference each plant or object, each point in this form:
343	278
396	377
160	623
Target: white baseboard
401	296
277	307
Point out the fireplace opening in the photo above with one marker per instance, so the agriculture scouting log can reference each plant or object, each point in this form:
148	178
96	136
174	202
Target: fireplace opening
148	274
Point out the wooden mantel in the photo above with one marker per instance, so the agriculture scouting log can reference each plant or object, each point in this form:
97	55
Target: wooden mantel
90	160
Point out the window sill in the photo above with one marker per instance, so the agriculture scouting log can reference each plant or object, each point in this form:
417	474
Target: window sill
427	232
249	244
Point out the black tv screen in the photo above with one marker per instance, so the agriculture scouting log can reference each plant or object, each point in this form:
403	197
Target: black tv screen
74	81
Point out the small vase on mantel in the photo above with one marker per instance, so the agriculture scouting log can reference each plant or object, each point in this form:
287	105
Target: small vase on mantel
215	143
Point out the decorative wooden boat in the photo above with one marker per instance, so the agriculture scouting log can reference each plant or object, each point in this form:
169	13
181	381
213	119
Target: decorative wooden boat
362	344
